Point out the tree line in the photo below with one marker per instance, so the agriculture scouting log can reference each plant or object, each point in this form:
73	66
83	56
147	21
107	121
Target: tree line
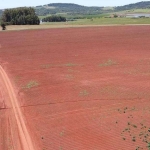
20	16
54	19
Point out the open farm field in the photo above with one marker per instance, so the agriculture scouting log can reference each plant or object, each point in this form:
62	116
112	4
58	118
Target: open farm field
104	21
83	23
75	89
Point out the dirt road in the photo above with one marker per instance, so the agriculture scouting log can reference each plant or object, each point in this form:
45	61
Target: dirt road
25	138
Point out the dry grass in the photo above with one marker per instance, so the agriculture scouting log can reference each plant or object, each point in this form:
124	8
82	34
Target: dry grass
45	26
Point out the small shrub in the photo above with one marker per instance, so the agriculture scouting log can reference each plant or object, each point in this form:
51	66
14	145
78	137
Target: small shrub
133	140
134	126
124	139
115	16
3	25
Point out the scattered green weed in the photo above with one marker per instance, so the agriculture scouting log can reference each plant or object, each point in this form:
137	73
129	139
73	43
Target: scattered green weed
70	65
108	63
84	93
31	84
46	66
69	76
62	133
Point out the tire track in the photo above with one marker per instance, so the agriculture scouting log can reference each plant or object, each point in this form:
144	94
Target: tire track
25	138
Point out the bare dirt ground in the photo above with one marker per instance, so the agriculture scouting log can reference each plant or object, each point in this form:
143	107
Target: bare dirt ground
77	88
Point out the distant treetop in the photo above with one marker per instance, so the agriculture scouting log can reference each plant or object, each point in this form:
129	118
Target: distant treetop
54	19
20	16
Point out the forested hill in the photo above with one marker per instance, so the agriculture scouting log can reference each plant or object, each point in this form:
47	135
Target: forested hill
66	8
140	5
69	8
78	9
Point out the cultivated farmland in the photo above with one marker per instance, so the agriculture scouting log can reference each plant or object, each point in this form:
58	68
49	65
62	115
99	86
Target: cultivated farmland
75	89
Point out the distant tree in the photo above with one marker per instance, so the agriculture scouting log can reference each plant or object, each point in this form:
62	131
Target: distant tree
20	16
54	19
3	25
115	15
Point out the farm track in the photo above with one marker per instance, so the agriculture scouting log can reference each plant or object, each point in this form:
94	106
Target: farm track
25	139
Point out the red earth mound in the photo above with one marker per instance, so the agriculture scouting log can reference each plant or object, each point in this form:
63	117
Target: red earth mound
76	88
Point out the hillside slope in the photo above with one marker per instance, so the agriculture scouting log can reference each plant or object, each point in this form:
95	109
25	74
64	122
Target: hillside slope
139	5
72	9
67	8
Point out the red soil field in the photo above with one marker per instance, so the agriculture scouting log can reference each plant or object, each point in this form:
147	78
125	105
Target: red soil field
76	88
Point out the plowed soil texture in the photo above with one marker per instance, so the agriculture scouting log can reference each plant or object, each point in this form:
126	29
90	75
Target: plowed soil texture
75	89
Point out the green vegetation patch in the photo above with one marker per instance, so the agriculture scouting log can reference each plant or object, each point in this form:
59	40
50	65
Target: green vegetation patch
46	66
20	16
69	77
148	146
103	21
108	63
62	133
31	84
134	133
70	64
54	18
84	93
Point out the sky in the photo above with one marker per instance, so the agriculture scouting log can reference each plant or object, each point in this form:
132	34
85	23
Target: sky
19	3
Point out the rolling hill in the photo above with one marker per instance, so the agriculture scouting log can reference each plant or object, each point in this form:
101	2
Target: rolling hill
140	5
66	8
75	9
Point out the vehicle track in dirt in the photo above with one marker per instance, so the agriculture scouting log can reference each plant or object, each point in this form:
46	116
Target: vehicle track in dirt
25	138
